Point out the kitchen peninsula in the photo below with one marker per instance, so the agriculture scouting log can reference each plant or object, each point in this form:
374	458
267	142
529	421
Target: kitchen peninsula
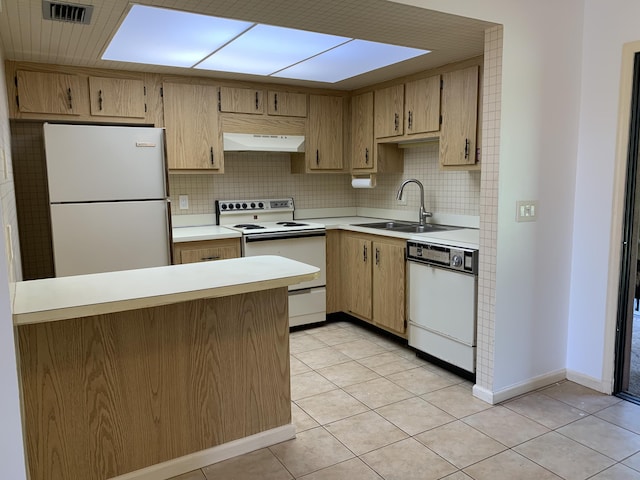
155	371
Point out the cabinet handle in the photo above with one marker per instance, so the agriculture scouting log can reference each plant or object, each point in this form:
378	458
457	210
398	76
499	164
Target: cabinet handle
395	121
410	121
364	253
377	256
69	98
366	156
466	148
317	158
99	99
207	259
211	154
275	102
257	101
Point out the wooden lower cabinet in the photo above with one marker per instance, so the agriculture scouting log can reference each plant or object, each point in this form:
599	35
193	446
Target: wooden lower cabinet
206	250
374	280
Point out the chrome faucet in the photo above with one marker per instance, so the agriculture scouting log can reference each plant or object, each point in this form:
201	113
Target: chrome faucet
422	214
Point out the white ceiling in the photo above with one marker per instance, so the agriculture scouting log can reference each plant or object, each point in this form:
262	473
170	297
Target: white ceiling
25	36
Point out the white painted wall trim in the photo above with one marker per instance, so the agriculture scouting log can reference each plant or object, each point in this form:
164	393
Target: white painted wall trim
519	388
617	215
589	382
193	461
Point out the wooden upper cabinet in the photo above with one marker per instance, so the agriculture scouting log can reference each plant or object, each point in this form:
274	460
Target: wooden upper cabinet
193	133
287	104
324	139
362	155
117	97
389	108
43	92
241	100
422	105
458	135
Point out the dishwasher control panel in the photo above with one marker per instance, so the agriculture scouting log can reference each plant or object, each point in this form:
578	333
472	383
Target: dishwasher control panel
455	258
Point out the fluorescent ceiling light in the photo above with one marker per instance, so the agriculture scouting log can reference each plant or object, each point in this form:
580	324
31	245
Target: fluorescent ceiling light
265	49
159	36
349	60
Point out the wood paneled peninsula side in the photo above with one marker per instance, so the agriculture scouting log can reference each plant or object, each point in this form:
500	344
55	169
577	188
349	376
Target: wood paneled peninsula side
155	372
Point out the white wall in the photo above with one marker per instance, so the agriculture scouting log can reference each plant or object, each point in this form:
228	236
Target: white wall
608	26
541	81
11	442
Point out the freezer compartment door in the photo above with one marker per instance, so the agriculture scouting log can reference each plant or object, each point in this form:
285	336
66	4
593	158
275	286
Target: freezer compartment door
103	163
105	237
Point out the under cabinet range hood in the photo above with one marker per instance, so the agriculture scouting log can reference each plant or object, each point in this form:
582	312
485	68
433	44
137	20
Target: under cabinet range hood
249	142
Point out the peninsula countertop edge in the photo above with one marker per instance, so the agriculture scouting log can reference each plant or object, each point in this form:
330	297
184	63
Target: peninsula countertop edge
62	298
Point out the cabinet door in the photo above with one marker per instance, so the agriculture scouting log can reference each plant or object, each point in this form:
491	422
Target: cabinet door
54	93
459	117
389	107
117	97
357	275
362	132
389	286
194	139
422	105
287	104
241	100
324	133
206	251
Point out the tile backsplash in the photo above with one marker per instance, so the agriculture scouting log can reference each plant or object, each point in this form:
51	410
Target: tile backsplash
253	175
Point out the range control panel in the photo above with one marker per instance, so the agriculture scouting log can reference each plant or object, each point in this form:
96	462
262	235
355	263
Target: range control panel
454	258
282	204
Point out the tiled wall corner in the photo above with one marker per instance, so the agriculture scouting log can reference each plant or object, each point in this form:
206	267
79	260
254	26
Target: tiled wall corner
444	191
7	194
254	175
491	105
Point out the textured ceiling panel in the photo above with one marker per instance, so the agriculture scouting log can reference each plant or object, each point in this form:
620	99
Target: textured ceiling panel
25	36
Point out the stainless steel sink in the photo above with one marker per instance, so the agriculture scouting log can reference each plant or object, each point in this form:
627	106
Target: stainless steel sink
406	227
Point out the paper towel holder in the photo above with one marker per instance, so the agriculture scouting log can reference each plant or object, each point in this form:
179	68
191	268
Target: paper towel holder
363	181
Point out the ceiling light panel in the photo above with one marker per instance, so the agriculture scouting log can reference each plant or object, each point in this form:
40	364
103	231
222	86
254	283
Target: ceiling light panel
265	49
160	36
348	60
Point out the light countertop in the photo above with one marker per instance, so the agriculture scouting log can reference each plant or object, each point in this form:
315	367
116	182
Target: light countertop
460	237
62	298
203	232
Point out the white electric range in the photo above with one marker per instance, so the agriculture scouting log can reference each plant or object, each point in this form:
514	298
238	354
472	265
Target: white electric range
268	228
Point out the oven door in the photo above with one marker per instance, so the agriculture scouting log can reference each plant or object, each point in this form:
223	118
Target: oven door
304	246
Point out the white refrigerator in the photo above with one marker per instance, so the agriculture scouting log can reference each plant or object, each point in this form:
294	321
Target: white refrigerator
108	197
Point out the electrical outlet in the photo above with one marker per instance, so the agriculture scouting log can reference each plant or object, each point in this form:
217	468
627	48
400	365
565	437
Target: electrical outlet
526	210
184	202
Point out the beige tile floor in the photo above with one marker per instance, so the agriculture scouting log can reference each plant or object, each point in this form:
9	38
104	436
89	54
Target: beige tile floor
367	408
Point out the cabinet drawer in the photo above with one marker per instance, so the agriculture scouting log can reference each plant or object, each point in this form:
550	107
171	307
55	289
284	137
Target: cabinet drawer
206	251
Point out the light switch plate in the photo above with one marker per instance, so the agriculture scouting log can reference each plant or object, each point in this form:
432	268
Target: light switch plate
184	202
526	210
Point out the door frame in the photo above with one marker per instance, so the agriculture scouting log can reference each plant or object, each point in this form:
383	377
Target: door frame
629	51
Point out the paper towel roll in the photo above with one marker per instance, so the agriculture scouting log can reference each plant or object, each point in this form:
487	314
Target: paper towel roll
363	182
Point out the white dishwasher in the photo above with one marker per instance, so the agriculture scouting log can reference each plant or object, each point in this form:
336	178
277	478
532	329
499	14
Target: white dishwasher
443	293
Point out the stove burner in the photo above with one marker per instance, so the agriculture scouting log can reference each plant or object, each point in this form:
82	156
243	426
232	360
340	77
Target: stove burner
249	226
291	224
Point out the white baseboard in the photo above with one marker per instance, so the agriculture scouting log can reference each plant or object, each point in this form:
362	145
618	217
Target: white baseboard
193	461
590	382
519	388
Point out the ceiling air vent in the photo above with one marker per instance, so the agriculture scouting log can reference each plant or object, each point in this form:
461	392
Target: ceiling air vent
66	12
